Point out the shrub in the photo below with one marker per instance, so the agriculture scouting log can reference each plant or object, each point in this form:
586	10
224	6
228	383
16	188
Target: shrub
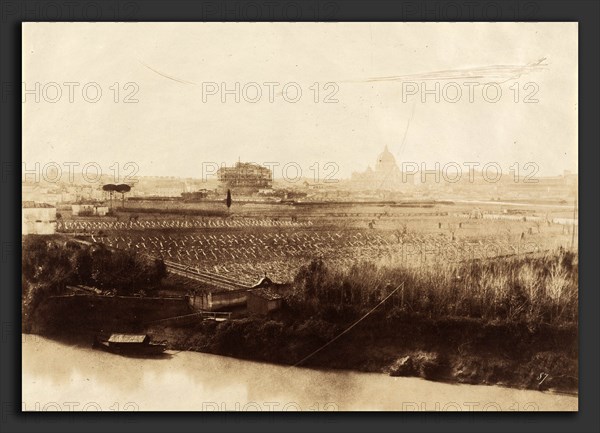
536	289
49	265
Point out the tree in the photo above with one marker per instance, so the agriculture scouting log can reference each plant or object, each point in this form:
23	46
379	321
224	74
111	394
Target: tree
110	188
228	199
123	188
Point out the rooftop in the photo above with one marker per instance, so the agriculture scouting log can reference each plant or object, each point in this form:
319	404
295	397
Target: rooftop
33	204
264	281
267	294
127	338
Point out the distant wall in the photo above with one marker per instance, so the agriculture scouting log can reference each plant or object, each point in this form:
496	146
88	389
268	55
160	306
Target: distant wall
106	313
213	301
218	300
259	305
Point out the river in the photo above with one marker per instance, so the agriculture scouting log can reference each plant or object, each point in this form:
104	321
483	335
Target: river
60	377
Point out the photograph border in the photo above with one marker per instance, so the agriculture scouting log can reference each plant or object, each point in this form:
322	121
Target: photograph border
13	13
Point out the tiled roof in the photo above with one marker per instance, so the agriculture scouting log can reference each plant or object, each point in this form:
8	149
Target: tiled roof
267	294
264	281
33	204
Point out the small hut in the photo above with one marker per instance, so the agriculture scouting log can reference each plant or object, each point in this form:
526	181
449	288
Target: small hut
263	300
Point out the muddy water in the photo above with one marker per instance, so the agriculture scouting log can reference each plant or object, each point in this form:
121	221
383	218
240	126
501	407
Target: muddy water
62	377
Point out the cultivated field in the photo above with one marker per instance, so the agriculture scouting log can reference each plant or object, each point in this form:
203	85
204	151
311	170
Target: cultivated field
276	240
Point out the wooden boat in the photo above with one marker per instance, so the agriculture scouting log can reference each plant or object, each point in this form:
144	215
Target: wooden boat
130	345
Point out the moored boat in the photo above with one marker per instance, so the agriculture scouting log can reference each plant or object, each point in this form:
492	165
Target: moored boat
130	345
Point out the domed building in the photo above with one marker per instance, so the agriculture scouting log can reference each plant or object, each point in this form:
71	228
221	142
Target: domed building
385	177
386	162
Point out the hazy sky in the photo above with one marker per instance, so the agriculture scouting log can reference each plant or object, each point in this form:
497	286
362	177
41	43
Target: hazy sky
172	131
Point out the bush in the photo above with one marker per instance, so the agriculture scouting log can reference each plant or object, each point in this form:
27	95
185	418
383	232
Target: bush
541	289
49	265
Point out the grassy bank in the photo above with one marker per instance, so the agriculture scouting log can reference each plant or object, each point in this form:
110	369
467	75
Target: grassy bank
509	321
389	341
453	350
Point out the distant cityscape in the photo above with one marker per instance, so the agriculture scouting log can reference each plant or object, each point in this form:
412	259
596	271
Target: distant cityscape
252	181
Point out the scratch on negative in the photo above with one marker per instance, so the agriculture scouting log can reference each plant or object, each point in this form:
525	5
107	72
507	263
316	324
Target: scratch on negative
501	73
167	76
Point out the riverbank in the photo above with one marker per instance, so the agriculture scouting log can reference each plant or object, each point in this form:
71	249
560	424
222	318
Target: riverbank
509	321
453	350
450	350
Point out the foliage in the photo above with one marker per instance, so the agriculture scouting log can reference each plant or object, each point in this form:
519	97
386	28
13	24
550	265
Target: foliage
540	289
49	265
86	212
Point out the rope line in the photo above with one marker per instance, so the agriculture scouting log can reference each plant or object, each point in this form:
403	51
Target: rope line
349	328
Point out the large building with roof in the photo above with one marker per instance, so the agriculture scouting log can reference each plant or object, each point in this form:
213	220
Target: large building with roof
38	218
386	176
245	177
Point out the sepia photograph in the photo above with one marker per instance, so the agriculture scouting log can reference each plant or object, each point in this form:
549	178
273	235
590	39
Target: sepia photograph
300	216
